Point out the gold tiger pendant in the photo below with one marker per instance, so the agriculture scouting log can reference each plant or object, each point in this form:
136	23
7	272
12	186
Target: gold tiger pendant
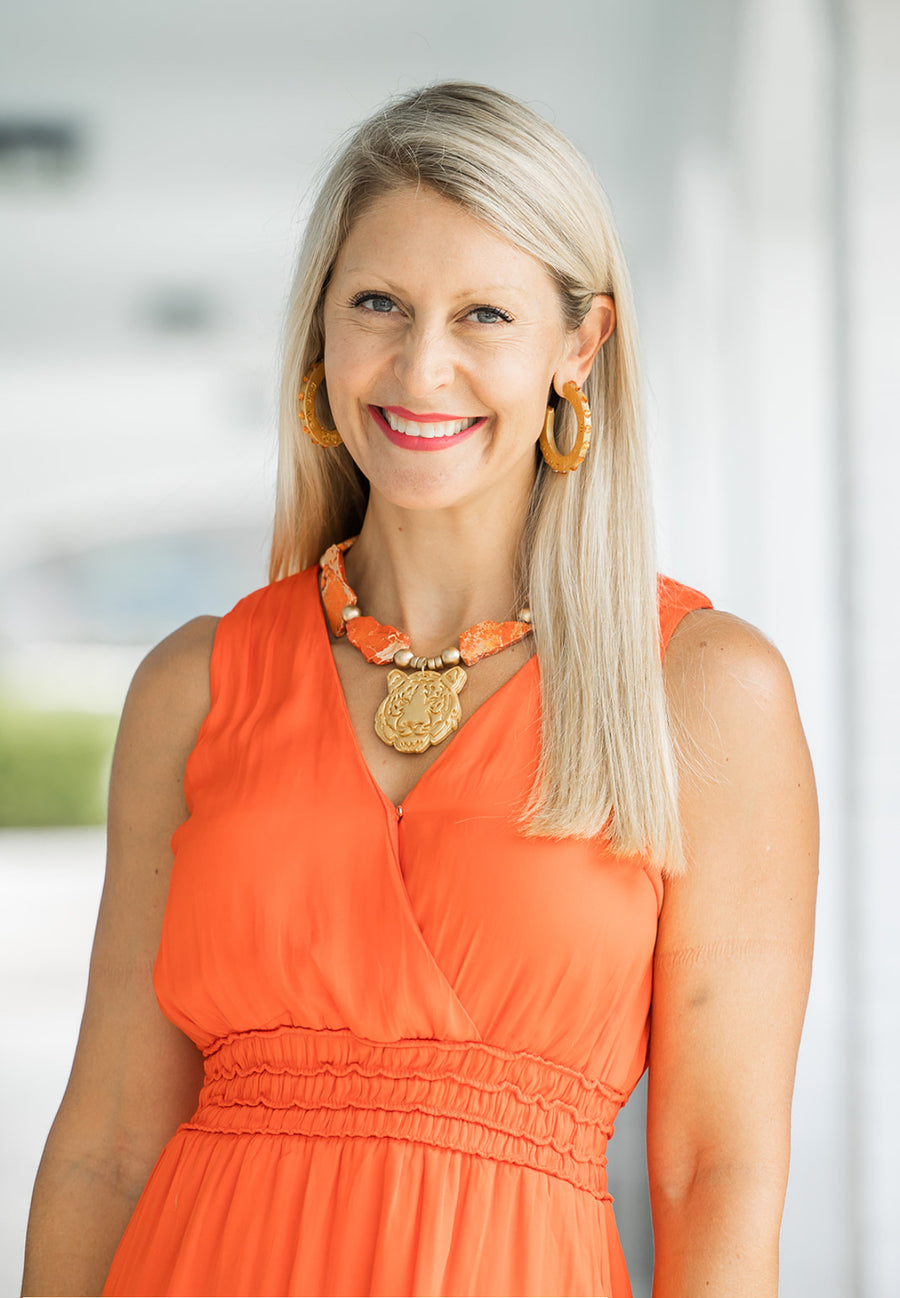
421	708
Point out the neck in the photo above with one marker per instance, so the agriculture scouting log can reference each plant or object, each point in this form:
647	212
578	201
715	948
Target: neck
432	574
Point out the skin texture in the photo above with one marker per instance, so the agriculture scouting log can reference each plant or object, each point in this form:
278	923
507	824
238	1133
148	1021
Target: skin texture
447	520
135	1076
732	964
435	555
436	342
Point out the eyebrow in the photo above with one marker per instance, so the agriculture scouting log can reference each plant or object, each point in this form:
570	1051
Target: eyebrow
482	290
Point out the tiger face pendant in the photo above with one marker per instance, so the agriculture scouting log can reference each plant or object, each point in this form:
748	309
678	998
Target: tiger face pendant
420	709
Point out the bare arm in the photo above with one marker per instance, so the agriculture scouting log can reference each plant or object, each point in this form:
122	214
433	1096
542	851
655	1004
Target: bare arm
135	1076
732	966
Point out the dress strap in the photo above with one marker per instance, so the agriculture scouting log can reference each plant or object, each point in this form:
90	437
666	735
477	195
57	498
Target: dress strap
675	601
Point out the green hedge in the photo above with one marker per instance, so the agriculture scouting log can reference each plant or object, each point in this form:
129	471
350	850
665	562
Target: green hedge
54	767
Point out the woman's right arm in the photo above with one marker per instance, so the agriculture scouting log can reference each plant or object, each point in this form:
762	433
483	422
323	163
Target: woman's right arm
135	1076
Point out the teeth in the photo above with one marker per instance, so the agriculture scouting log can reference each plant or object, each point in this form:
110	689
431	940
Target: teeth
446	428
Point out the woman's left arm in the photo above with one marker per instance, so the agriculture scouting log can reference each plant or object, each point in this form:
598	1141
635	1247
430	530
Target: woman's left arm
732	965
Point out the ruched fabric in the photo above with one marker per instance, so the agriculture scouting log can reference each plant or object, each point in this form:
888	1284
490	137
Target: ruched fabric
464	1096
418	1026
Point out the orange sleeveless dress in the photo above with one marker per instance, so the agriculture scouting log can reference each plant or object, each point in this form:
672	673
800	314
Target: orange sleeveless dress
418	1026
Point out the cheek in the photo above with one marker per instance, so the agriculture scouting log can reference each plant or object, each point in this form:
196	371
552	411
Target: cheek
348	368
521	384
525	371
342	358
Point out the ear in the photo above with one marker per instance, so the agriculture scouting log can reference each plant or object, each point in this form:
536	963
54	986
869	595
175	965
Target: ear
455	678
586	341
395	678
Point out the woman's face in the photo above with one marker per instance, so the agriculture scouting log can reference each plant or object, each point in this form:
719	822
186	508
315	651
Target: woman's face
441	344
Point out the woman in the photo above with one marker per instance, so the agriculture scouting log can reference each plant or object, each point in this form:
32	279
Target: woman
423	995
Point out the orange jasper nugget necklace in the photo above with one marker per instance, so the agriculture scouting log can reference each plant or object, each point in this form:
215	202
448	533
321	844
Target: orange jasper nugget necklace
421	707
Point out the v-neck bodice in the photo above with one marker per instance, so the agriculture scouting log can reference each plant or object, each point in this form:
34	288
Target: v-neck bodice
395	1004
336	702
465	904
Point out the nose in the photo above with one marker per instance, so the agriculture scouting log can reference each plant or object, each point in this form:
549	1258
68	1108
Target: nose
424	362
415	714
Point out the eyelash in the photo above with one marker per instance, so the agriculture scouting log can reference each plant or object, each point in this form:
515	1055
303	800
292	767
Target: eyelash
504	316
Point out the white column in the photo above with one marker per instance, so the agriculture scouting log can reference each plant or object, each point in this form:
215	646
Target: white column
748	389
871	351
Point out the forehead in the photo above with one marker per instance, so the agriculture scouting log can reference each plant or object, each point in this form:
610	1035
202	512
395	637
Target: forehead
413	229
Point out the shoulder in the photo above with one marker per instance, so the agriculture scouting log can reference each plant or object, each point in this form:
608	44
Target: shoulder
179	666
274	594
177	669
180	650
169	697
173	687
748	807
725	679
709	640
747	788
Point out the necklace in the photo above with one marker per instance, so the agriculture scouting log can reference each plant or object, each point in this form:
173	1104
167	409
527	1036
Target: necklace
422	707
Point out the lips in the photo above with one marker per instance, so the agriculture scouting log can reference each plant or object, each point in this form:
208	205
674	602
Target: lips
422	432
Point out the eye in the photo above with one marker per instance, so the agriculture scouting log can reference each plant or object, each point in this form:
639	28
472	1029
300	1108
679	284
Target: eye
377	302
488	315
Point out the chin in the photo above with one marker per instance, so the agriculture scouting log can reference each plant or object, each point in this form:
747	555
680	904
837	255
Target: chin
416	490
424	501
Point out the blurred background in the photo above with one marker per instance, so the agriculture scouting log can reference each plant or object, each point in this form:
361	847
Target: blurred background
156	163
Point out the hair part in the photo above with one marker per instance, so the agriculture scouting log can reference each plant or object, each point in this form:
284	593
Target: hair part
587	557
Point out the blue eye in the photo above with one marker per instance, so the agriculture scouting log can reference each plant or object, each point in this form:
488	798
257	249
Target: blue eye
374	302
490	315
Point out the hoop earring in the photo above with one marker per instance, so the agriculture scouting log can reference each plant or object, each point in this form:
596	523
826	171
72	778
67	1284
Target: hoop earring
309	420
558	462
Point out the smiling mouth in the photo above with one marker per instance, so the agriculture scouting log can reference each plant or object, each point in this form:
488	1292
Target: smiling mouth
413	428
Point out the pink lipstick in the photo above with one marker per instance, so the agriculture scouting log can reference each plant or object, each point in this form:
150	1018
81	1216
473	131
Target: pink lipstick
419	443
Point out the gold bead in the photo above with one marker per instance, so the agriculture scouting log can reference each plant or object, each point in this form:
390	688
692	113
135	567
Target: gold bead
403	657
525	614
450	657
434	664
349	612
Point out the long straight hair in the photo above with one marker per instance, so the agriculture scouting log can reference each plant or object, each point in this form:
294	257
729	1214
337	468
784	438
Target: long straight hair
587	558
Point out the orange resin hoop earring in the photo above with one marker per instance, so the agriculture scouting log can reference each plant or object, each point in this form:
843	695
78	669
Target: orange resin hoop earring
317	432
558	462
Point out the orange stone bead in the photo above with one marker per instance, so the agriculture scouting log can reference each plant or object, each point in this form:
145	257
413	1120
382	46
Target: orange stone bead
486	638
376	643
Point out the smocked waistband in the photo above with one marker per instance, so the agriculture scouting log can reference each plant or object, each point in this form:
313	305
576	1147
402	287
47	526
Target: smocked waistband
465	1096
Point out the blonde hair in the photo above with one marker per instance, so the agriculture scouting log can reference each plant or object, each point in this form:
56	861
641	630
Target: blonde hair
587	556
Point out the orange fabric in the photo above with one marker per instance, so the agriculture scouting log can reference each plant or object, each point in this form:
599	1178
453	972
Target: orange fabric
418	1026
674	601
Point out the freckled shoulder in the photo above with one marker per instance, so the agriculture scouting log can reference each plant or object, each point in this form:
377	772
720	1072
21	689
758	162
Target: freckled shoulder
747	790
722	674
